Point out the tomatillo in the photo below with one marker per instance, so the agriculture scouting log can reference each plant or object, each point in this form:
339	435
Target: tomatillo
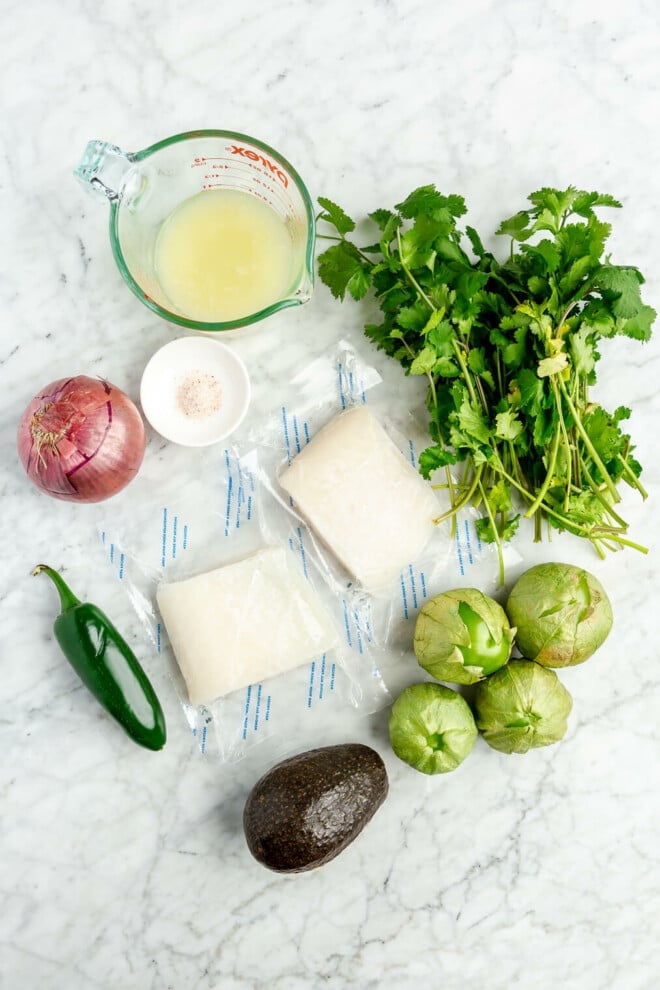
462	636
522	706
562	613
432	728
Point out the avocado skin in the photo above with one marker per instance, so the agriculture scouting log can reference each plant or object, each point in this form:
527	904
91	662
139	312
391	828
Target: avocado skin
307	809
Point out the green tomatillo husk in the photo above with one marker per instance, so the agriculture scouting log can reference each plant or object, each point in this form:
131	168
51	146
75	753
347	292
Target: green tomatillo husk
522	706
432	728
462	636
561	612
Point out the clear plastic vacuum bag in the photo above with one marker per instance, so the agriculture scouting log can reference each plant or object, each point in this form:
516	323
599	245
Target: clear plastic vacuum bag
292	652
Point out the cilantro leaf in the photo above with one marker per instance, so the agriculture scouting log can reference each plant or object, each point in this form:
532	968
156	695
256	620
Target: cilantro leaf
381	218
584	510
446	368
486	533
470	282
545	253
499	496
607	439
554	202
340	265
424	361
433	458
417	247
584	202
583	353
638	326
475	241
472	422
619	287
359	283
334	215
532	391
507	425
426	200
477	363
413	317
514	351
545	427
440	337
577	272
552	365
517	227
598	318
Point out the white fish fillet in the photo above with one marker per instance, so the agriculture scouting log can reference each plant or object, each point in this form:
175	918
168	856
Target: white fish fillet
243	623
363	498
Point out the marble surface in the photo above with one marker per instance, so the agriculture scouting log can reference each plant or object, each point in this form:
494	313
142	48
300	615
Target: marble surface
121	869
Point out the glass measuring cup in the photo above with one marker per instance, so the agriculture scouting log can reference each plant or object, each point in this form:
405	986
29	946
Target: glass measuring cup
144	188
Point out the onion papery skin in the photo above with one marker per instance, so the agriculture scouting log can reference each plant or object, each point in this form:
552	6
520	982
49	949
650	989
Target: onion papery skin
81	439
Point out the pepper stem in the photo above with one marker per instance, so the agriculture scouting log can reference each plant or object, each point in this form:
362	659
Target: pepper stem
67	598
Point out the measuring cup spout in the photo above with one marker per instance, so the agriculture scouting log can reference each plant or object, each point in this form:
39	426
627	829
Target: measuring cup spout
103	168
304	291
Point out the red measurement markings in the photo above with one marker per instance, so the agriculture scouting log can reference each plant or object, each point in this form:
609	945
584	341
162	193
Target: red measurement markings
200	161
252	156
236	149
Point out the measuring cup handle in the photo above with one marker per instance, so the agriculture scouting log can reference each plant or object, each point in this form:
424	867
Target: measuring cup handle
103	168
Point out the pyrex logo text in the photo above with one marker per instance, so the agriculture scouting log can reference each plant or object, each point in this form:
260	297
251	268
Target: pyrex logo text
236	149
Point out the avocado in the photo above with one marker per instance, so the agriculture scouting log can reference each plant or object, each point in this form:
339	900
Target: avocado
305	810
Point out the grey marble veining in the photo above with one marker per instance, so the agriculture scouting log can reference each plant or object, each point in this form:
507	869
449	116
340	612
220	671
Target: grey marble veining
123	869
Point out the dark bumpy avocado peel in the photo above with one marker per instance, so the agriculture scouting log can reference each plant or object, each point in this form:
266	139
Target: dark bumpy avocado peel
307	809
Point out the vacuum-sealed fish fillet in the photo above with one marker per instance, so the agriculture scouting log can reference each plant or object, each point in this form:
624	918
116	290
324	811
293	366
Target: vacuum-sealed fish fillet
242	623
362	497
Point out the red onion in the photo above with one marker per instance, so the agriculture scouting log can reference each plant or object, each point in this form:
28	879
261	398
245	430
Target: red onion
81	439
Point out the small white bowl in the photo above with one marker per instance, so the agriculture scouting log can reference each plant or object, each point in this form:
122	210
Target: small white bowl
195	391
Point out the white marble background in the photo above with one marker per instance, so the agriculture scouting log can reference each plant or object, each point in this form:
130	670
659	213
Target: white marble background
123	870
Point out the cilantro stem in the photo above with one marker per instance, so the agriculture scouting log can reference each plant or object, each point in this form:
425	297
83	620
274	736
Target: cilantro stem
615	543
549	475
515	464
409	275
603	501
632	478
491	274
465	499
593	453
538	532
482	394
590	533
566	312
345	240
434	394
452	494
467	377
569	447
568	523
622	541
496	535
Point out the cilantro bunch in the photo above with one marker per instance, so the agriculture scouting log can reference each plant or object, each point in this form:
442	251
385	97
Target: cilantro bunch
509	349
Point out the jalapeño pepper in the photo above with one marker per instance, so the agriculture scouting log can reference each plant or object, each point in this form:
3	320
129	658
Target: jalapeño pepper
106	664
